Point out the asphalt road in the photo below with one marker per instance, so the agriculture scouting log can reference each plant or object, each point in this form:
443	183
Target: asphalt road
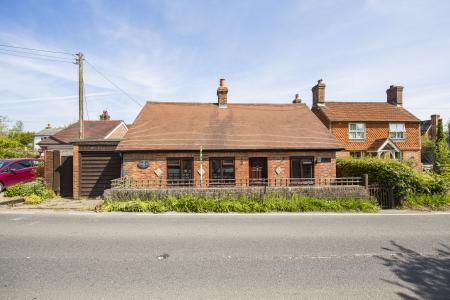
50	255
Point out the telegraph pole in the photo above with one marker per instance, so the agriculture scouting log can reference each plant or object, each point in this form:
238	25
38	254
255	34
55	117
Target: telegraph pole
79	62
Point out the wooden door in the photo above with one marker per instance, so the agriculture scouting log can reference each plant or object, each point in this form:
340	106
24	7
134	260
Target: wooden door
65	171
258	170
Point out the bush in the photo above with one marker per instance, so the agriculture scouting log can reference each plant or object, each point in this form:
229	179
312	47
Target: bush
398	175
244	204
433	202
33	199
36	187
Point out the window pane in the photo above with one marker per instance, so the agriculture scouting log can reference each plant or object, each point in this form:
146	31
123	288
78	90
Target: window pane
352	126
307	170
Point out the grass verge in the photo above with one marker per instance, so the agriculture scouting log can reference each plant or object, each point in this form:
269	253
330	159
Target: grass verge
428	202
296	203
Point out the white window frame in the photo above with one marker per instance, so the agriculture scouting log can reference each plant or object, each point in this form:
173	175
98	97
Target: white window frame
356	131
397	131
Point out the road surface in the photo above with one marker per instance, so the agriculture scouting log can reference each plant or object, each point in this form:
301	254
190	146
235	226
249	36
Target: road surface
63	255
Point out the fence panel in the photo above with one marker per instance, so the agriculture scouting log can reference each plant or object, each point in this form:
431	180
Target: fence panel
384	195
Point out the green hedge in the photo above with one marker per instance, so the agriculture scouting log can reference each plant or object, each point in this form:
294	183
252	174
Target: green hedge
398	175
36	187
189	203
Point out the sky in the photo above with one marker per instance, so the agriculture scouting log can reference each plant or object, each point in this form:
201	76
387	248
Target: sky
177	50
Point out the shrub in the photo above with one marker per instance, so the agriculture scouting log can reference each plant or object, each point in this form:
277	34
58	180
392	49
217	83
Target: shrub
36	187
433	202
33	199
244	204
398	175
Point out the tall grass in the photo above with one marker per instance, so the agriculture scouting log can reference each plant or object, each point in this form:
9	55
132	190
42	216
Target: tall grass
432	202
196	204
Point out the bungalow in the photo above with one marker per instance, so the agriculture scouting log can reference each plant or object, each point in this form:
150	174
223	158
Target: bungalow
43	134
382	129
227	143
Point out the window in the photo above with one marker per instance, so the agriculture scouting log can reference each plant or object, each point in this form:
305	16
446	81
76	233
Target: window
397	131
356	131
21	165
221	170
179	171
302	168
356	154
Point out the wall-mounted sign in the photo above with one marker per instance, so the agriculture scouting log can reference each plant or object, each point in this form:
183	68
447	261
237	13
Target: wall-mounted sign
143	164
158	172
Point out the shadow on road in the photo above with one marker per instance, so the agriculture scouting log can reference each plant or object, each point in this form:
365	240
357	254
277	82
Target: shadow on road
427	277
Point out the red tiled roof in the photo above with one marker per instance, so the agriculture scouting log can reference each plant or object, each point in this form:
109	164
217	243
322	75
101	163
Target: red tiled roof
92	130
366	111
187	126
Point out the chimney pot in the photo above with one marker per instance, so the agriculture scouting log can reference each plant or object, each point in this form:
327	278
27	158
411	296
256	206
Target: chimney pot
297	99
49	125
319	93
222	93
395	95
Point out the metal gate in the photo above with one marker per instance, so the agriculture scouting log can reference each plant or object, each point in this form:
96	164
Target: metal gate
384	195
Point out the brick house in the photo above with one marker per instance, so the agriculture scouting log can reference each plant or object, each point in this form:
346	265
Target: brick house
241	144
382	129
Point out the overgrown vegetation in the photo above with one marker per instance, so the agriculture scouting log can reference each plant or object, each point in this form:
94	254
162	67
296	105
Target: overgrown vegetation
14	142
428	202
398	175
203	204
34	192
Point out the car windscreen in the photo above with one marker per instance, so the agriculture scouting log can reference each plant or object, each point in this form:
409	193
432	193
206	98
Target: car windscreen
4	163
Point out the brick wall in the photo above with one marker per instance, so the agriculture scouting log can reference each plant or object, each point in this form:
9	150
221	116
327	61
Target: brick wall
274	160
374	131
76	171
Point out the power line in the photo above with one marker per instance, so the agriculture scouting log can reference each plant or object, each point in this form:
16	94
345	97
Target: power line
34	57
34	49
32	53
115	85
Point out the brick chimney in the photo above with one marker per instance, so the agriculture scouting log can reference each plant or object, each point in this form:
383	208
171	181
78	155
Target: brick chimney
434	126
297	99
319	93
222	92
395	95
105	116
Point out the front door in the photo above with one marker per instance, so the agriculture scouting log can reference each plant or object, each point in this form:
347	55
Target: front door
258	170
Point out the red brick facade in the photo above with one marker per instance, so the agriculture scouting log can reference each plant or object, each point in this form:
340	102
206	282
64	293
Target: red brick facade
275	159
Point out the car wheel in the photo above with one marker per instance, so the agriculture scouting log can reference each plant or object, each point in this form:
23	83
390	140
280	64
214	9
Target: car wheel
1	187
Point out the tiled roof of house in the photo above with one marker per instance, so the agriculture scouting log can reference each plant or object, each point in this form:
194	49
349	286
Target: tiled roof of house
187	126
366	111
47	131
424	126
92	130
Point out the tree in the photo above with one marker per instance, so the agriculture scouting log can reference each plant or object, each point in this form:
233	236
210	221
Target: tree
3	125
18	127
442	150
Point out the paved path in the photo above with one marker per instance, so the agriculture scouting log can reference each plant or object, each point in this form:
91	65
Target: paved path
63	255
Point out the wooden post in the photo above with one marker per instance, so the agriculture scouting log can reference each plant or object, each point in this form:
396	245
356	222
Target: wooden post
80	60
366	181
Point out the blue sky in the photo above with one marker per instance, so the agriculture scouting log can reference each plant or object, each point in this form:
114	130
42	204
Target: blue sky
267	51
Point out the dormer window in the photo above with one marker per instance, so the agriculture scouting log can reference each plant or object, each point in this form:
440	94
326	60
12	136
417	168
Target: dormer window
397	131
356	131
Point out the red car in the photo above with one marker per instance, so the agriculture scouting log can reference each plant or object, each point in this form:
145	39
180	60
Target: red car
17	170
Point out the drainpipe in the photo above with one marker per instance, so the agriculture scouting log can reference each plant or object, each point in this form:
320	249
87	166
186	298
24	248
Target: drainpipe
201	166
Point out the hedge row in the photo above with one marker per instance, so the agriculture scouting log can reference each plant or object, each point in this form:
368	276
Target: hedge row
398	175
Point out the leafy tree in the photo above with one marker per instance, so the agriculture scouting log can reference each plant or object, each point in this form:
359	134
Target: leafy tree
18	127
442	150
3	125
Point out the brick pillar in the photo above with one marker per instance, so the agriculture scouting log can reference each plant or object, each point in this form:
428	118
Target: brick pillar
48	168
76	172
